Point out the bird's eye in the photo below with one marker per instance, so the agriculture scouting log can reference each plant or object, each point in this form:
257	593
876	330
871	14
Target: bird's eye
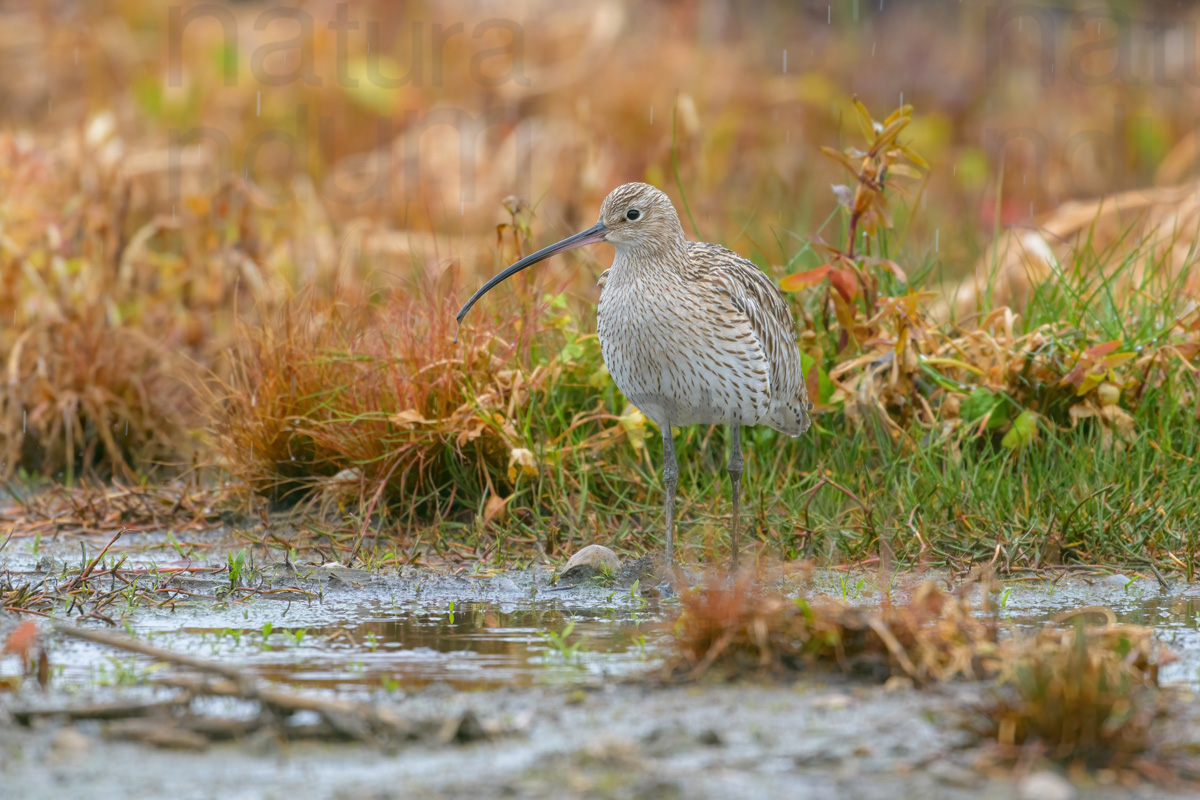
632	213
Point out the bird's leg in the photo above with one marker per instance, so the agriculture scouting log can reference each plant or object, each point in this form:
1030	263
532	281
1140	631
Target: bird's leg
670	479
735	477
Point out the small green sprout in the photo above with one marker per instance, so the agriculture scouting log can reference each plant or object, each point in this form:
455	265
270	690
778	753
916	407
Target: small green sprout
568	652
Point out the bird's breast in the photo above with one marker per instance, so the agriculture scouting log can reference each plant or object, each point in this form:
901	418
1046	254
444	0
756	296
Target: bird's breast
680	357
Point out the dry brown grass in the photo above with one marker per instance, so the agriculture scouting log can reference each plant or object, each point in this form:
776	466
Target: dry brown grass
84	397
1082	694
97	233
1155	228
376	402
739	628
114	301
95	344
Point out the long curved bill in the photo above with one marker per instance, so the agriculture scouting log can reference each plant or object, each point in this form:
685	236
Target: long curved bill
592	235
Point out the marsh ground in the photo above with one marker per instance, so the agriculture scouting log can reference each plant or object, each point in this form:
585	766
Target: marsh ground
597	721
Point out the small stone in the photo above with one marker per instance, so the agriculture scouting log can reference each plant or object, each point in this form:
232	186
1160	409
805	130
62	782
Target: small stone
832	702
68	745
589	562
1116	580
710	738
466	729
952	774
1045	786
598	556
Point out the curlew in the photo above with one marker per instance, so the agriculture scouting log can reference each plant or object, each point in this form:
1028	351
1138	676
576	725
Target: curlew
692	333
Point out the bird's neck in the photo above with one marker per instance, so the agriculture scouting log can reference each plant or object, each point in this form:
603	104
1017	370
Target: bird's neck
665	260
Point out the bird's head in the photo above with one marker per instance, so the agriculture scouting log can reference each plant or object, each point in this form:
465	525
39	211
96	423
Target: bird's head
639	217
635	217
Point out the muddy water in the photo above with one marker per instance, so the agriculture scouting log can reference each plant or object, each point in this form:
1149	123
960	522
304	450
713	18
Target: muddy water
1173	613
477	645
485	644
354	631
431	643
400	631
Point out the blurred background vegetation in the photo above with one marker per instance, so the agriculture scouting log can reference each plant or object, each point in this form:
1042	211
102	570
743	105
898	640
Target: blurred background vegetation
233	237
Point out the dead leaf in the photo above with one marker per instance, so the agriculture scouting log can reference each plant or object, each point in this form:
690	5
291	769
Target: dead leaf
803	280
1114	419
22	640
520	459
408	419
1109	394
1102	349
496	509
845	282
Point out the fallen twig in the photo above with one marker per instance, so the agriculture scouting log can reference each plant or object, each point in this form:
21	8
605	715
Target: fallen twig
128	643
357	721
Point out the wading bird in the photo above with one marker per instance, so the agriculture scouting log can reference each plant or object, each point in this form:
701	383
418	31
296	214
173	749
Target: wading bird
691	332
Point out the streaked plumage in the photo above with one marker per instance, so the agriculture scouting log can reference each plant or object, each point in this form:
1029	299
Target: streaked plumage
691	332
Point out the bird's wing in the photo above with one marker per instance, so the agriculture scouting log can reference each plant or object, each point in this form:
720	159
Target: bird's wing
756	296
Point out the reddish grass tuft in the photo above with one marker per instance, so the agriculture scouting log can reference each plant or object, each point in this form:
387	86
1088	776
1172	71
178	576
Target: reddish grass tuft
84	396
377	402
1086	696
1082	695
738	628
22	640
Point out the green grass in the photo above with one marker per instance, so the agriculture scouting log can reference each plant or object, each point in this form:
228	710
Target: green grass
1074	494
1102	504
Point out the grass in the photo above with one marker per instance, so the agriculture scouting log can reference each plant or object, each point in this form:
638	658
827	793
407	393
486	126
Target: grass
550	449
1083	696
230	343
380	404
298	350
1061	435
557	643
732	630
1064	434
1080	702
87	397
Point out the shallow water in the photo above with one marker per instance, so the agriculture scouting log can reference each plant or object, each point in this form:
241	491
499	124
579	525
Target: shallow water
432	645
478	645
375	632
1174	614
401	631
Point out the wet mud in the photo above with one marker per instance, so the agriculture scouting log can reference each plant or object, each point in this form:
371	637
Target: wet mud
515	684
